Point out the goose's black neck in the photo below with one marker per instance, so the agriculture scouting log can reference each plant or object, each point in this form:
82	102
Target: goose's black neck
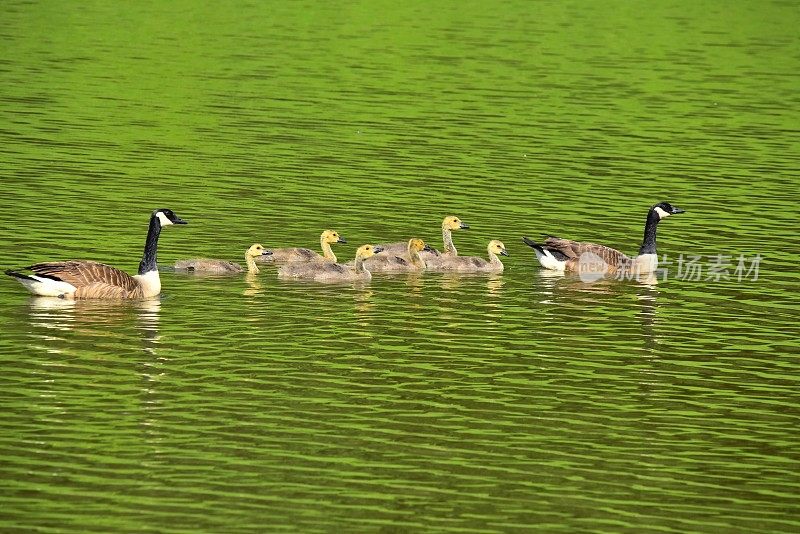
148	262
649	241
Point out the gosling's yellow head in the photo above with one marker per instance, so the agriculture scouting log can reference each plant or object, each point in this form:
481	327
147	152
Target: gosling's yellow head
332	236
258	250
367	251
418	244
497	247
451	222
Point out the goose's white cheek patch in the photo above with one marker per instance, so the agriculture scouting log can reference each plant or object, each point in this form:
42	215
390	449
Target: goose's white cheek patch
661	213
163	219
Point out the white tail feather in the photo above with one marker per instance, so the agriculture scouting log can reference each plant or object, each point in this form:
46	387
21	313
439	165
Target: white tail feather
46	287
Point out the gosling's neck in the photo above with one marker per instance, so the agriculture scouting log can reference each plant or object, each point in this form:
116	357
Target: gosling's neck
416	260
327	251
447	238
359	265
251	264
494	259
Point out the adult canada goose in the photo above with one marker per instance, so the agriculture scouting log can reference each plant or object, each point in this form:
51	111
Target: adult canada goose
80	279
331	272
471	264
450	223
566	255
409	262
294	254
202	265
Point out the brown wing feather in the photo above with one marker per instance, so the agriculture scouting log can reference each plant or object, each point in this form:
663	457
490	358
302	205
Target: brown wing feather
574	249
84	273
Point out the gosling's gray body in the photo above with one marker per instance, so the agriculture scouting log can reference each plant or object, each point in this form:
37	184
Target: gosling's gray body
211	266
286	255
471	264
291	255
331	272
205	265
411	261
450	223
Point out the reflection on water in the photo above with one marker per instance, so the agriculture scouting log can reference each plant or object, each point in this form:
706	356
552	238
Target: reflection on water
254	286
94	318
363	298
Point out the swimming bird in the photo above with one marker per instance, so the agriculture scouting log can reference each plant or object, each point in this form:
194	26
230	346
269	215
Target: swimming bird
409	262
331	272
471	264
202	265
294	254
450	223
81	279
566	255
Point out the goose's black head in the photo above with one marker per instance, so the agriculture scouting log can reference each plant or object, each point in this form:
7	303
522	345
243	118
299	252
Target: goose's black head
665	209
166	217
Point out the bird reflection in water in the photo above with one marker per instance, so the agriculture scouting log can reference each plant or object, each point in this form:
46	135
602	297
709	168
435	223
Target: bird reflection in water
494	285
364	304
254	285
94	319
415	281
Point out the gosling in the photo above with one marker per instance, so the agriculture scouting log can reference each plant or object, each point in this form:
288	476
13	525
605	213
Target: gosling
410	262
471	264
305	255
202	265
450	223
332	272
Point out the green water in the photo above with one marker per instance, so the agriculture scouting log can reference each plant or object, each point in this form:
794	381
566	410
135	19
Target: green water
517	402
